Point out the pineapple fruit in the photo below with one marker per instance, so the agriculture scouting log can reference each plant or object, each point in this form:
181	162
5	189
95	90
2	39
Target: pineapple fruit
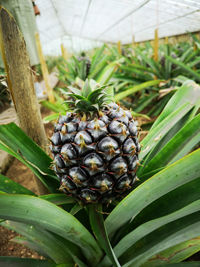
95	146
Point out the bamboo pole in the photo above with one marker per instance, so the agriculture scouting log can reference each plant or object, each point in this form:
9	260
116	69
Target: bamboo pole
119	47
133	41
64	52
44	69
166	40
156	40
20	82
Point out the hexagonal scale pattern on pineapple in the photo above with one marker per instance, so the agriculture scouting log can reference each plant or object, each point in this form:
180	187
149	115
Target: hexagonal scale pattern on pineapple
96	158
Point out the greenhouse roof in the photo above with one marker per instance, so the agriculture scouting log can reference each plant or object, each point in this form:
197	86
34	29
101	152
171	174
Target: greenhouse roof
82	24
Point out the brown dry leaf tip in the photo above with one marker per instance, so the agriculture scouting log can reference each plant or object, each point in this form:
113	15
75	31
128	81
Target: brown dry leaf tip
111	150
137	179
104	187
94	166
133	150
64	156
64	129
100	113
62	187
82	143
88	199
139	164
76	180
84	117
127	185
96	126
121	170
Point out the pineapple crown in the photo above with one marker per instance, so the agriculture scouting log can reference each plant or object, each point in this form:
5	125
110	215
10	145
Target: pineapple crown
89	96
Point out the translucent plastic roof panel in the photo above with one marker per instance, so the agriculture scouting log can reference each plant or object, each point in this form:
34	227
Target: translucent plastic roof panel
114	20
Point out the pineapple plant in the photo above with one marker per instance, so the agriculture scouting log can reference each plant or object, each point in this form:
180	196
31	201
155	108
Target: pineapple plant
95	147
86	64
156	224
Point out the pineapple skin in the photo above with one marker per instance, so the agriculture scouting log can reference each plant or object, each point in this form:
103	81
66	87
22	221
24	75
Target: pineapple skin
96	158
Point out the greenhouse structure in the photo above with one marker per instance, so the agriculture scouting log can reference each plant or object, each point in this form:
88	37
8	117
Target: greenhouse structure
100	133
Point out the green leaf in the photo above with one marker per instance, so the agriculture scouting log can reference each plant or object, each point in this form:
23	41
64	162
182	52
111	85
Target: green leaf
183	264
94	72
183	66
24	262
86	90
165	237
44	214
156	134
165	205
189	92
14	141
98	227
180	79
53	117
44	241
135	89
58	199
127	245
170	178
180	144
96	57
9	186
56	107
75	209
175	254
107	72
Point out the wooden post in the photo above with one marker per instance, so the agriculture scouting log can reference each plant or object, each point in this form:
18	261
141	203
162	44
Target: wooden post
20	82
156	45
119	47
44	69
64	52
166	40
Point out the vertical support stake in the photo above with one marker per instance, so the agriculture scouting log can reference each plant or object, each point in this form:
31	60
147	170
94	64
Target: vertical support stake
44	69
156	40
20	82
64	52
119	47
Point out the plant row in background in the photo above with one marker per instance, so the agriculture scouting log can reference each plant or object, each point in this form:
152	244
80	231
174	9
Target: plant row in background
140	82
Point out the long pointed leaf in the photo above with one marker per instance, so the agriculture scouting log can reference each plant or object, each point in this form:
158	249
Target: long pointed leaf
44	241
156	134
188	92
42	213
190	134
169	235
129	241
175	254
170	178
98	227
19	262
9	186
135	89
14	141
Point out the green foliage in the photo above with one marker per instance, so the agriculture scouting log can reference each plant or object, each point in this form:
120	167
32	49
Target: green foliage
90	97
159	219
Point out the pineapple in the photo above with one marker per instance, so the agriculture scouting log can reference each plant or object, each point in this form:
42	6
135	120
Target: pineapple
95	147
